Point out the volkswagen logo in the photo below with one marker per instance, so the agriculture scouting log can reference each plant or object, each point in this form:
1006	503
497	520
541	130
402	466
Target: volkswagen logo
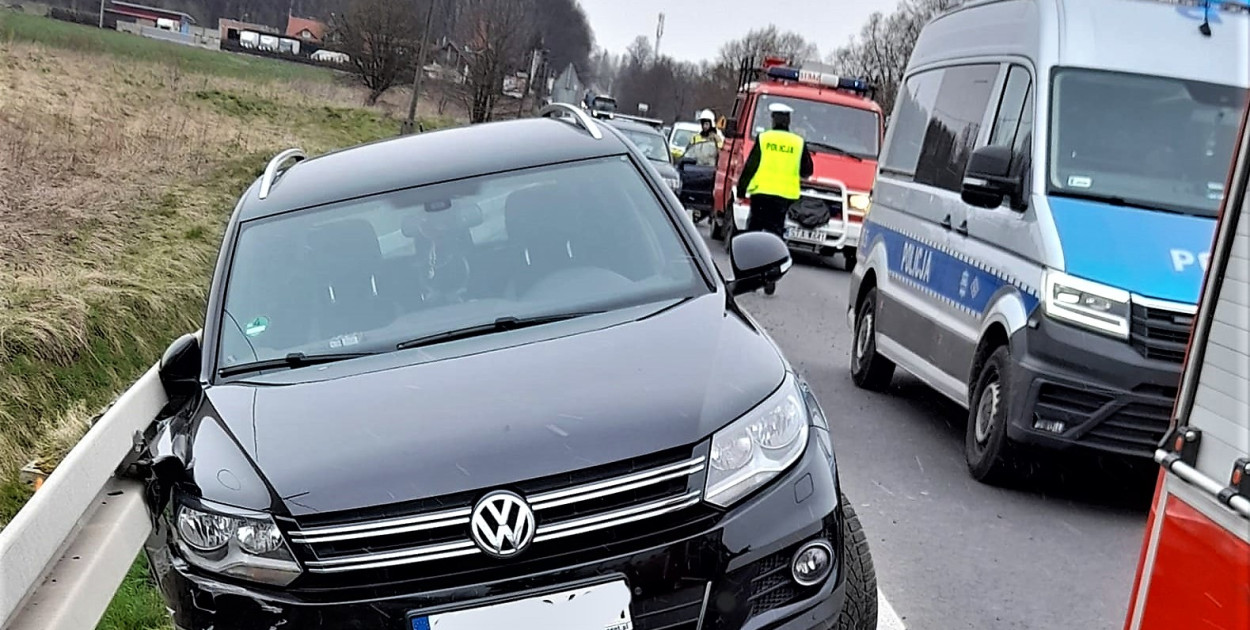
502	524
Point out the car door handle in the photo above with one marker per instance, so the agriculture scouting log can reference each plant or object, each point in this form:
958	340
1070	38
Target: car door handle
963	228
946	223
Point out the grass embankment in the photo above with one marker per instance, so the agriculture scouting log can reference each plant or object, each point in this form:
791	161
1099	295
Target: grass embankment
120	161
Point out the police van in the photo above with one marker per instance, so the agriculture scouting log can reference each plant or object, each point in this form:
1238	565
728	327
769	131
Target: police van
1044	214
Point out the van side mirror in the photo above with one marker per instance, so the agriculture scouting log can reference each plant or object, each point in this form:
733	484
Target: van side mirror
757	258
180	368
988	179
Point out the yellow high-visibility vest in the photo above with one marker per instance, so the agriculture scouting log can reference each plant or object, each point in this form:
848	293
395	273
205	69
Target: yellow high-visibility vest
781	157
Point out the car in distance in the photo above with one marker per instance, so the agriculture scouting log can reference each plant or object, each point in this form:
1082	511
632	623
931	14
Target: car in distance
463	376
653	146
680	135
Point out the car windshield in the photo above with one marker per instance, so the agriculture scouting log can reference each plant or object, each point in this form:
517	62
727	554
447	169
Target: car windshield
604	104
368	274
652	145
704	153
828	127
682	137
1154	142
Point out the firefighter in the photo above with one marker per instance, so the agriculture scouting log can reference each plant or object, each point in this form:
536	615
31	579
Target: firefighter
708	131
778	162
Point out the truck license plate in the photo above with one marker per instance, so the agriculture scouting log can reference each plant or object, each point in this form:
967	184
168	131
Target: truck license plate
804	235
598	607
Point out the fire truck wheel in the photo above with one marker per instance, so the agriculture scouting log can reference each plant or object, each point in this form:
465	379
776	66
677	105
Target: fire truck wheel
988	450
859	612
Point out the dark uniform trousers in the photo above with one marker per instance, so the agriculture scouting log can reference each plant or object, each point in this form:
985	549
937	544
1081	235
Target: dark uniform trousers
768	214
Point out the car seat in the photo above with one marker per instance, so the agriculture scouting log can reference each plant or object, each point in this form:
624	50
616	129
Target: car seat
344	262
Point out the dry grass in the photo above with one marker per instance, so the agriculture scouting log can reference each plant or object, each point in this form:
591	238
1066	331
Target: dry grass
116	178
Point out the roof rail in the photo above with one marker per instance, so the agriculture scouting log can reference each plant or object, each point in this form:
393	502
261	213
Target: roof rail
271	170
581	118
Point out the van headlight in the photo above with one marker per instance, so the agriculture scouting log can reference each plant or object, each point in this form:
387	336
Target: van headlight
859	202
1093	306
759	446
234	542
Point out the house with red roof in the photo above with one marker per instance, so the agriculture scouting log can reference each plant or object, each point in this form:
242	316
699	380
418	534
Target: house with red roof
305	29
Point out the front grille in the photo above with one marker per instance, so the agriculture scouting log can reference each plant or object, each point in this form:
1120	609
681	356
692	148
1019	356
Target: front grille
1136	428
679	610
1159	333
1068	405
589	512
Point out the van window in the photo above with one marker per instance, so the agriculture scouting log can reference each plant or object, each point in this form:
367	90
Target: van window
915	108
1013	126
953	129
1153	142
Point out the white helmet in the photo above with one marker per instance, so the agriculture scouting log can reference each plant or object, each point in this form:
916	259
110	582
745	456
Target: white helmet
708	116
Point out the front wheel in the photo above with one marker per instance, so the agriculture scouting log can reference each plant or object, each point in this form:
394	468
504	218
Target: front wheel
869	370
987	448
859	612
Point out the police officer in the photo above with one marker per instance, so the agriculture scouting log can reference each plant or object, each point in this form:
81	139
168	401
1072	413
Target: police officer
778	162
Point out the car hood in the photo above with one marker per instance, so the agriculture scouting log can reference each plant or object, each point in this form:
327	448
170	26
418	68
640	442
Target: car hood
490	417
1157	254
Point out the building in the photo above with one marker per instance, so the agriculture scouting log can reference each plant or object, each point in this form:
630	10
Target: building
153	17
568	87
305	29
226	26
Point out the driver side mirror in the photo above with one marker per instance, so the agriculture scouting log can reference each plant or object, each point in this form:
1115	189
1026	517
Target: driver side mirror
730	130
180	369
988	179
757	258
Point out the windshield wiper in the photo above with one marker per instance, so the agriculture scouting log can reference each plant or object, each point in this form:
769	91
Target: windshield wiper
292	360
1115	200
501	324
835	149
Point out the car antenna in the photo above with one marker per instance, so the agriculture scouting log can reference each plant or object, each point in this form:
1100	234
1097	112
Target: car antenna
1205	28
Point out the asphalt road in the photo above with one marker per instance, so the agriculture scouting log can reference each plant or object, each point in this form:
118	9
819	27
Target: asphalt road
1059	550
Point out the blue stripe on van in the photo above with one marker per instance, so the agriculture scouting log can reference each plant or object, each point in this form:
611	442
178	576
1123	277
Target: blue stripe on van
1149	252
948	276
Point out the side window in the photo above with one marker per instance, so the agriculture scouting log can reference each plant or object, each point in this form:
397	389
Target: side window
1013	126
952	131
910	119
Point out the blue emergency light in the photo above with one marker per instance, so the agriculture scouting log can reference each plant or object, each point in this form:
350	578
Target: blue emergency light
822	79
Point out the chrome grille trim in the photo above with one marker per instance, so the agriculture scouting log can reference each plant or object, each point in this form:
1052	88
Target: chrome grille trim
459	517
616	485
614	519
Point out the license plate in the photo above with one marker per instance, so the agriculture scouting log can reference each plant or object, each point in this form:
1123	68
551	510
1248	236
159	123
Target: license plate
804	235
599	607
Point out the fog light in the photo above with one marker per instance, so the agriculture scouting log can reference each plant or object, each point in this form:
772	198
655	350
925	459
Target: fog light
1052	426
812	563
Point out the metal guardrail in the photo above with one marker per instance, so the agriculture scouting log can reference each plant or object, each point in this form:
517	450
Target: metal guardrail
70	546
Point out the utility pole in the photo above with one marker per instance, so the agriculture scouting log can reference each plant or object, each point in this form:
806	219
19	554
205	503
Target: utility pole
101	13
659	34
410	122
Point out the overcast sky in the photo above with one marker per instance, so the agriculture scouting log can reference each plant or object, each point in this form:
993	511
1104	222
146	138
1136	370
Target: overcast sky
695	29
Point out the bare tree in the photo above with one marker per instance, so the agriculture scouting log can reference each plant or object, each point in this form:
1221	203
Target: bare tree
496	34
767	41
380	37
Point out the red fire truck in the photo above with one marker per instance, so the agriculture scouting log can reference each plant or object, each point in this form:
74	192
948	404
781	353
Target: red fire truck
843	129
1194	570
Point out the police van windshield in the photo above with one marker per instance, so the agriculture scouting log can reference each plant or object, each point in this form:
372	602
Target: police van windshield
1154	142
827	127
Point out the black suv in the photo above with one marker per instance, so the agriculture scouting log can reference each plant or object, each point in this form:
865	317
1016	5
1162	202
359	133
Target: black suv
485	377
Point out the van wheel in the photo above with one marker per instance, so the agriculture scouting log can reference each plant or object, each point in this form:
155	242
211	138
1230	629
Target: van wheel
859	612
990	453
869	370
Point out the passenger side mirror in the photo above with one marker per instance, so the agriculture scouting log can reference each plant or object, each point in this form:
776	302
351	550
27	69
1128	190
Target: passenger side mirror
988	179
180	368
757	258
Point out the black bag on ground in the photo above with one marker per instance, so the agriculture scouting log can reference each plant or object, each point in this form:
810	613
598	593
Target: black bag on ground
809	213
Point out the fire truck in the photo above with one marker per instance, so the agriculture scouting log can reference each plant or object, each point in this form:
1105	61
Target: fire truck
1194	568
842	127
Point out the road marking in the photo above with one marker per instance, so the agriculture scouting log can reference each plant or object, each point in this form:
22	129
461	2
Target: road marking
887	619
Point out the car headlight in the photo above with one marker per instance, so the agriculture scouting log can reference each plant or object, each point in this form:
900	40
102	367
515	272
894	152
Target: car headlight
759	446
673	183
234	542
859	202
1088	304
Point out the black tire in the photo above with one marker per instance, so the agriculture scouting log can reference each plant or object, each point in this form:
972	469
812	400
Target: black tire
987	448
859	611
869	370
718	225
